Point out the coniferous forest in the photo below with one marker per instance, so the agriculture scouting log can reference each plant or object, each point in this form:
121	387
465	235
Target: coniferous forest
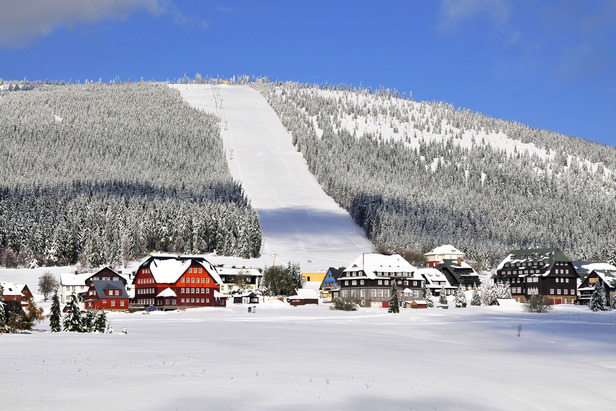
104	173
416	175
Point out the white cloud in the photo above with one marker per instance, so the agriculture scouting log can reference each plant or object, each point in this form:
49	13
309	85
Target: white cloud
22	22
455	11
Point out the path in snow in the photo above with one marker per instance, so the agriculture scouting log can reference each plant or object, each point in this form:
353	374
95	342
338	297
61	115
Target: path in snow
299	221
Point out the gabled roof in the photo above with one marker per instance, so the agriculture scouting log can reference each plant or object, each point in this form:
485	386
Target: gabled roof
67	279
432	276
167	292
336	272
443	250
8	288
167	269
371	264
607	276
546	255
586	267
253	272
305	293
101	285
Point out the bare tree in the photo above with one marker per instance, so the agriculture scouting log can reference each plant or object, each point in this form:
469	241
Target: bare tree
47	284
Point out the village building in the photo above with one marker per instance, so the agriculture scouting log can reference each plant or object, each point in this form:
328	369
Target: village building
79	284
106	295
606	278
303	296
546	272
369	279
247	297
169	282
435	281
239	279
329	287
459	273
312	277
15	292
444	252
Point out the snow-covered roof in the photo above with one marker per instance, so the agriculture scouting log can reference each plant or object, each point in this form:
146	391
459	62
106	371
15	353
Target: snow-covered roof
588	267
253	272
445	250
305	293
167	292
432	276
167	269
8	288
545	255
67	279
371	264
312	285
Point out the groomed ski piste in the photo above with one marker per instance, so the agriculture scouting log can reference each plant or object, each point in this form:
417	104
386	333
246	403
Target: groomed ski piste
281	357
299	221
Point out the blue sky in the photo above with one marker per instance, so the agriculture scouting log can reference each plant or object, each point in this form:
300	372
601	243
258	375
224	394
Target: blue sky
548	64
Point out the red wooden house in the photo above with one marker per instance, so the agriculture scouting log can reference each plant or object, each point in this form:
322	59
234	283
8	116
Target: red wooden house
169	282
106	295
15	292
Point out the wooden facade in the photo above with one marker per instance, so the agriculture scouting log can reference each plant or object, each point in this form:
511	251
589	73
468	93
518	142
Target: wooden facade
369	280
167	282
606	279
545	272
106	295
330	282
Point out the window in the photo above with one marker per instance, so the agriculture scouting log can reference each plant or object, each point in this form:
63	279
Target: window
104	301
192	290
200	270
380	282
121	303
354	282
182	300
182	290
182	279
346	282
203	281
361	282
192	280
551	291
207	280
207	300
567	279
558	291
202	290
207	290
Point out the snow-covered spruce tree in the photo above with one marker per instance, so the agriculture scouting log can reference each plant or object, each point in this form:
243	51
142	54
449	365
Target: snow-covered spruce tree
442	296
394	303
503	291
429	300
88	321
488	294
475	299
597	299
100	324
72	320
424	292
55	316
460	298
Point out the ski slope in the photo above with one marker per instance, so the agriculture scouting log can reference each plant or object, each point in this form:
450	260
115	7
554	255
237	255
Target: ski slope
300	223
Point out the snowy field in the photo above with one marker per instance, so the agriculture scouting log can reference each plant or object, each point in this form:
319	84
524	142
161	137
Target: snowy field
303	358
300	223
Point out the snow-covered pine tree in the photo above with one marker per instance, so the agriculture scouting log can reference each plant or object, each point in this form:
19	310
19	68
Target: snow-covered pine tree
460	298
429	300
89	321
442	297
476	299
597	299
55	316
394	304
100	324
424	292
72	319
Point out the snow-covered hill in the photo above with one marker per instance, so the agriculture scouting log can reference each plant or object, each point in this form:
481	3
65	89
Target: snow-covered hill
299	222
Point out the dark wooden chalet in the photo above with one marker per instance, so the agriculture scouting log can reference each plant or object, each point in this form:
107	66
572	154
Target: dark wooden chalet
547	272
106	295
368	280
303	296
169	282
459	273
15	292
605	278
246	298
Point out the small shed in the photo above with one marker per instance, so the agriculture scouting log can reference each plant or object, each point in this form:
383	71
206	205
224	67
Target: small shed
246	298
418	304
303	296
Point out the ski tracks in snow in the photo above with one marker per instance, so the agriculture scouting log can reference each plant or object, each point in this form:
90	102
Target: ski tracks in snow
300	223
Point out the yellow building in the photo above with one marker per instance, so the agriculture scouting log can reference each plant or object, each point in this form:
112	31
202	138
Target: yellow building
319	277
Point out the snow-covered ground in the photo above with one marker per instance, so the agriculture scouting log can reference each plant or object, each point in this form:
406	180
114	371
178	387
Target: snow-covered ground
300	223
284	357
